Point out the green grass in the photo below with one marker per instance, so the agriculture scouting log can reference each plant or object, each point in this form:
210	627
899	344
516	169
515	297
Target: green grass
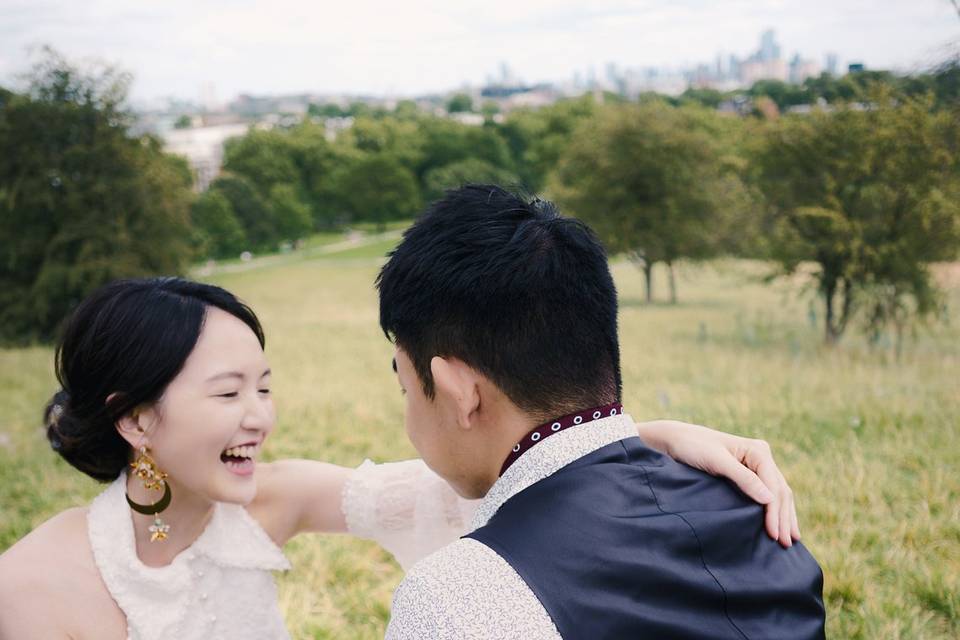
870	445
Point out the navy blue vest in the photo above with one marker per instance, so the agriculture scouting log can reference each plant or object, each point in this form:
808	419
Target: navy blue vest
626	543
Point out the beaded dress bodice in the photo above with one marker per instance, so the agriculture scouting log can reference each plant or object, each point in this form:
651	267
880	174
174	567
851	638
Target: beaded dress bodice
219	587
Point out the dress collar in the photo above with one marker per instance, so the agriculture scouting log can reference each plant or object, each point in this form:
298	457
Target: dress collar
551	455
158	597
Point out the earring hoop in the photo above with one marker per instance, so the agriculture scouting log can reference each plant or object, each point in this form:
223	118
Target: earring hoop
156	507
153	480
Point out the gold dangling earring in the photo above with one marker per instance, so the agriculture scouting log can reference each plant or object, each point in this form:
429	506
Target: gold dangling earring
153	480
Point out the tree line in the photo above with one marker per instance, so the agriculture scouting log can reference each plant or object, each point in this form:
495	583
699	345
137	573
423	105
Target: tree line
862	190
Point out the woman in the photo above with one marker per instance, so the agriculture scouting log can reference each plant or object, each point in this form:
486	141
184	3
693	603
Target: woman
167	380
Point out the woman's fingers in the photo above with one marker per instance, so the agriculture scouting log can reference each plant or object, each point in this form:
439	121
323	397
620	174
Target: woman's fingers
747	481
781	518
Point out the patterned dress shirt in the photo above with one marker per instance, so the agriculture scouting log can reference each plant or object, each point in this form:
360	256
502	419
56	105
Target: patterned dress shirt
466	590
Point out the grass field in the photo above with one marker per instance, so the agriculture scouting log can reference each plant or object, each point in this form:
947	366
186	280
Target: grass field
870	445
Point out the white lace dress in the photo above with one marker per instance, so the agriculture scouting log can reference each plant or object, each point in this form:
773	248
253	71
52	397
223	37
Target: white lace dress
222	586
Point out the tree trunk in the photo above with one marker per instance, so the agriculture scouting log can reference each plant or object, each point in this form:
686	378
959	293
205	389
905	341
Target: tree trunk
648	277
641	262
829	290
833	290
673	282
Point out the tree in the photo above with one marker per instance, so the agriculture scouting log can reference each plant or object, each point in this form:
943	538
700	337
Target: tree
328	110
183	122
82	202
650	181
378	188
459	103
220	234
783	94
703	96
290	215
265	158
250	209
444	142
538	138
870	198
401	139
461	172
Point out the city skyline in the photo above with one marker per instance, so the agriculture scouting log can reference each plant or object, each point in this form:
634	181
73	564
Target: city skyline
180	49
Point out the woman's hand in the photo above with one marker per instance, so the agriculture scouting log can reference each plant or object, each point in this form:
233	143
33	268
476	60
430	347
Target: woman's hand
745	461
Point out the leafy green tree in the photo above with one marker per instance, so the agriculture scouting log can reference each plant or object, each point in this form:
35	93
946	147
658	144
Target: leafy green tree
651	181
869	197
400	139
82	202
783	94
406	110
250	209
265	158
461	172
444	142
705	97
290	215
318	162
946	83
328	110
378	188
489	108
183	122
459	103
220	234
538	138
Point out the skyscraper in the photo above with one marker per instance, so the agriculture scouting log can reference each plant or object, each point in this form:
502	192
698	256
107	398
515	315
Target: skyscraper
769	49
833	64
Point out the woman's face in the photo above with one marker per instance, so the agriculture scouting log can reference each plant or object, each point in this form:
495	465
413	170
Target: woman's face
208	428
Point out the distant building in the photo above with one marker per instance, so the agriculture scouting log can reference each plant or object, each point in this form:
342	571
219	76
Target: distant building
754	70
203	148
765	63
801	69
769	49
855	67
833	64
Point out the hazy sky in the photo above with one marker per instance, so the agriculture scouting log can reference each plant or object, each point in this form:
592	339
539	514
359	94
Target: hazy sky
174	47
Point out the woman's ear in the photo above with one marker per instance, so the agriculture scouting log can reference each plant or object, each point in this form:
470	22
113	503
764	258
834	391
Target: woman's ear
456	385
132	426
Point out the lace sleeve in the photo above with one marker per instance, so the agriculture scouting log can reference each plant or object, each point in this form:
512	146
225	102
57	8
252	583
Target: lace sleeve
405	507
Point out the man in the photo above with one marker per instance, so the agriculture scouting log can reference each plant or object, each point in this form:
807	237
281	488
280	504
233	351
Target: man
504	315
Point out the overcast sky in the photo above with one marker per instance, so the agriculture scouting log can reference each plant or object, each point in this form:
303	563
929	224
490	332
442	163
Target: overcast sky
405	47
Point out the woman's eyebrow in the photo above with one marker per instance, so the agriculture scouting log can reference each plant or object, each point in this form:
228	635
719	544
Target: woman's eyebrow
224	375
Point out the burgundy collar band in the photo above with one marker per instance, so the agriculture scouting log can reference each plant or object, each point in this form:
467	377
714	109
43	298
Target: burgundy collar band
547	429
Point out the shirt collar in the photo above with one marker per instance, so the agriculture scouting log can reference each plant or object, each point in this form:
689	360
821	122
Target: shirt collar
551	455
553	427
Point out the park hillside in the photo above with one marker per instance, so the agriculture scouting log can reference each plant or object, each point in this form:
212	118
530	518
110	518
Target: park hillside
790	276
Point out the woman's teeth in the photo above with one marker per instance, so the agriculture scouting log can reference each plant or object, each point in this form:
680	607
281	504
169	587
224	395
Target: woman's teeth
241	452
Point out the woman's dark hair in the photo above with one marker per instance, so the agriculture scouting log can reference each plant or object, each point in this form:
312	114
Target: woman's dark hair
512	288
120	349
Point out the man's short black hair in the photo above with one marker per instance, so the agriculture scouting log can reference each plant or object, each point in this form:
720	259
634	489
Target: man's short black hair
514	290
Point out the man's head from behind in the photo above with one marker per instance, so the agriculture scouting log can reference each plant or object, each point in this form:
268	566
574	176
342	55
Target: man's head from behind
496	304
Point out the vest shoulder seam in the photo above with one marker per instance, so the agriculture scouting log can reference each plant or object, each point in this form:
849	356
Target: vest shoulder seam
693	530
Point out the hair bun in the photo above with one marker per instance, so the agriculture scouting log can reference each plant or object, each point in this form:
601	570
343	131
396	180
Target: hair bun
52	415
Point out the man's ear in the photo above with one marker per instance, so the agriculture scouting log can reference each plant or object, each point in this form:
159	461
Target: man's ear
456	385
